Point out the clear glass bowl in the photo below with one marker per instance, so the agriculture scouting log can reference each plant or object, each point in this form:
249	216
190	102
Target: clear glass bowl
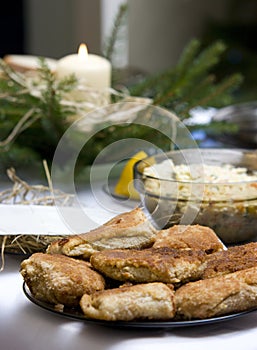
228	207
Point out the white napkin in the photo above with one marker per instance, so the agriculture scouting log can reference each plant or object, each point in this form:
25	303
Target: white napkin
48	220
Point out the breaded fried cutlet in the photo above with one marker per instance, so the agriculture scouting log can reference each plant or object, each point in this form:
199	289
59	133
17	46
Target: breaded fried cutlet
58	279
129	230
154	301
217	296
233	259
189	237
150	265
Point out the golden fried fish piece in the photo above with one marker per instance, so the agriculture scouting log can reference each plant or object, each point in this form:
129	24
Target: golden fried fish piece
231	260
189	237
217	296
58	279
154	301
128	230
150	265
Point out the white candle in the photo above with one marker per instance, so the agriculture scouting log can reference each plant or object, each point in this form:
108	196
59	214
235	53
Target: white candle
94	70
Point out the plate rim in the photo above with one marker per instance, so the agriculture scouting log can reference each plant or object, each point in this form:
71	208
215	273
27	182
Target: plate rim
131	324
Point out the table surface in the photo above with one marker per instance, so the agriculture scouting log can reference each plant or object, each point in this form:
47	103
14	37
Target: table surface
26	326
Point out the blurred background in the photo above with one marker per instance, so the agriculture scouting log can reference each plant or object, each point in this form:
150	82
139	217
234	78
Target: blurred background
156	31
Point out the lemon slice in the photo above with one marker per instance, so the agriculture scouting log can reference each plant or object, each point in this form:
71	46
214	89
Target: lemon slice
124	186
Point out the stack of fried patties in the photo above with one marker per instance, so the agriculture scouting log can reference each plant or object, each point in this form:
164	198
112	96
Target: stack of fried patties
127	270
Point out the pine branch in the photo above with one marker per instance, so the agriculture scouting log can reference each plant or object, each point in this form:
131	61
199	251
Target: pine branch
191	82
153	81
25	122
192	96
188	77
187	56
206	59
116	32
31	106
34	113
222	89
206	94
15	77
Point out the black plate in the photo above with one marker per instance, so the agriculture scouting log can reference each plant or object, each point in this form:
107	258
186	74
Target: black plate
77	314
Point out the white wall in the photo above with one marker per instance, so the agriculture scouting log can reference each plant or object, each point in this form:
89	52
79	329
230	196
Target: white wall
86	23
55	28
48	26
109	10
160	29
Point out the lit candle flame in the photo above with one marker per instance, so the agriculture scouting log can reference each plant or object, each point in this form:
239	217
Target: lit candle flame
82	52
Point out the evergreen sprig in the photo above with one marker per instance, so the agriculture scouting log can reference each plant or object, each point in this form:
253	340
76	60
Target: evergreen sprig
116	32
191	82
33	116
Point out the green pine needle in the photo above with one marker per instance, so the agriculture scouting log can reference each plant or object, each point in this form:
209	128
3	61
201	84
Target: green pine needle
116	32
33	123
191	82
